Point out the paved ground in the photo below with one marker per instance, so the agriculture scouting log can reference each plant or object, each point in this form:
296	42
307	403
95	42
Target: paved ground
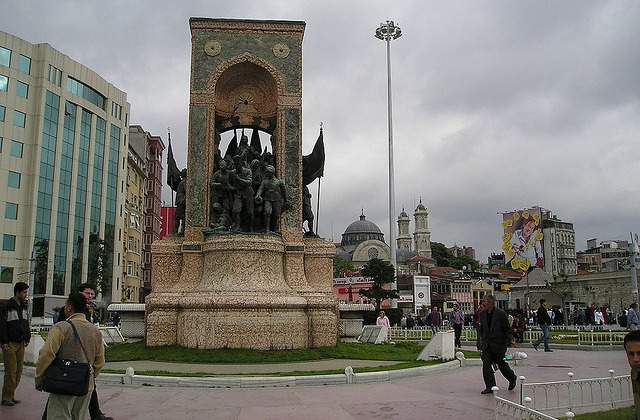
229	369
448	395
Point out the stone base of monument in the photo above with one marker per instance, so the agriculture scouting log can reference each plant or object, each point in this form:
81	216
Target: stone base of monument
242	291
441	346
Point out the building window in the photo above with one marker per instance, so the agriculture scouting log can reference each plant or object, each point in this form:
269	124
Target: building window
19	119
116	111
22	89
24	64
16	149
8	242
2	109
80	89
13	180
5	57
4	83
6	275
55	75
11	211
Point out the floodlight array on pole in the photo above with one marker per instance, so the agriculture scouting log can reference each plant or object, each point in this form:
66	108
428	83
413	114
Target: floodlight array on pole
386	32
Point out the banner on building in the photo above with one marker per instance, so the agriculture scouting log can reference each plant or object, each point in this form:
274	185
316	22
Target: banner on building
522	239
421	291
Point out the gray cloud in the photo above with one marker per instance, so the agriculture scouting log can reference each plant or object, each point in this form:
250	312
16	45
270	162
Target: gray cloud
498	105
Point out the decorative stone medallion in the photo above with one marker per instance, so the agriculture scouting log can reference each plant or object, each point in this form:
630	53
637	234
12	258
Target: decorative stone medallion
281	50
212	48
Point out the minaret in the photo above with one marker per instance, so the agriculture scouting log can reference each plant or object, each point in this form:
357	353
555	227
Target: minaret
422	236
404	238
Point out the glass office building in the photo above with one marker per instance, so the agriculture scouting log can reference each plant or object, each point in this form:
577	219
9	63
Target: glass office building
63	165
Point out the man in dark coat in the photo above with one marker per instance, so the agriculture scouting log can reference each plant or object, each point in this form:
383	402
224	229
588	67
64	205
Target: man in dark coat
544	320
15	334
495	337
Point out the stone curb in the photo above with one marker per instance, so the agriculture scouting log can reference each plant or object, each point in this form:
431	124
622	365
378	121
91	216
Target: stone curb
266	381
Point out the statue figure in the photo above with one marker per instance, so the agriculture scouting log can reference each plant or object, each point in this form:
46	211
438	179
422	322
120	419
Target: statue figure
273	193
221	195
307	213
243	196
243	148
181	203
256	180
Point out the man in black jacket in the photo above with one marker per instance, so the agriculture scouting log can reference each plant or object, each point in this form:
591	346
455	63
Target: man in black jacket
495	337
15	334
544	320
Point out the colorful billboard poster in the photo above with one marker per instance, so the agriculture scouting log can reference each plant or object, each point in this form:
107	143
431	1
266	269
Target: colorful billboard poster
522	241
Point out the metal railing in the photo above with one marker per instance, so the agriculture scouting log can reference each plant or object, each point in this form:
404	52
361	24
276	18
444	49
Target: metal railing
509	410
611	392
469	334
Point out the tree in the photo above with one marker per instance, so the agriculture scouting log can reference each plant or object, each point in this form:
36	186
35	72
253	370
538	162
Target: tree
444	258
562	287
381	272
41	264
464	261
342	266
441	254
97	263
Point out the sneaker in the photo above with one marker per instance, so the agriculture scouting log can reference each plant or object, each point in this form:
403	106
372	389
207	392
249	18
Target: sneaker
486	391
512	384
535	347
548	350
8	403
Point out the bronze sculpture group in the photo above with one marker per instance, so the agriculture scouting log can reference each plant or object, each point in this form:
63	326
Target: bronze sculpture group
245	194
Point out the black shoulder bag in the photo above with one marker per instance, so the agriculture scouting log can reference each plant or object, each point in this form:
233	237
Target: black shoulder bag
68	377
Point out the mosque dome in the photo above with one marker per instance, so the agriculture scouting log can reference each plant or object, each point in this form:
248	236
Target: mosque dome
360	231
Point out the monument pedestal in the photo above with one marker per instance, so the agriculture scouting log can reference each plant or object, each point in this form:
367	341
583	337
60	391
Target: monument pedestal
233	293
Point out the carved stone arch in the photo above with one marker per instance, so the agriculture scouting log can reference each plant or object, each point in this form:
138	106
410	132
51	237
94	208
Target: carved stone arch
246	57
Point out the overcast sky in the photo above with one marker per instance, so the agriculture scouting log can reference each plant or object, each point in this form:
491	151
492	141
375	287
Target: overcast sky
498	105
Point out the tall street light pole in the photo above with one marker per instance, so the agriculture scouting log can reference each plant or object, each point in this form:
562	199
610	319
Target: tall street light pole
634	267
386	32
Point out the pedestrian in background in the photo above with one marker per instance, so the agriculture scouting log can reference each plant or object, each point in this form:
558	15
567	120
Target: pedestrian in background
544	321
456	319
436	319
410	322
15	334
382	320
495	337
63	343
632	317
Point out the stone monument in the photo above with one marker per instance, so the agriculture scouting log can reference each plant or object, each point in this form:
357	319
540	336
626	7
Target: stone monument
243	274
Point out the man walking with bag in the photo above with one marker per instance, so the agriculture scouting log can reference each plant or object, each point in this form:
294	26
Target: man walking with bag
15	334
88	290
495	337
77	340
544	320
